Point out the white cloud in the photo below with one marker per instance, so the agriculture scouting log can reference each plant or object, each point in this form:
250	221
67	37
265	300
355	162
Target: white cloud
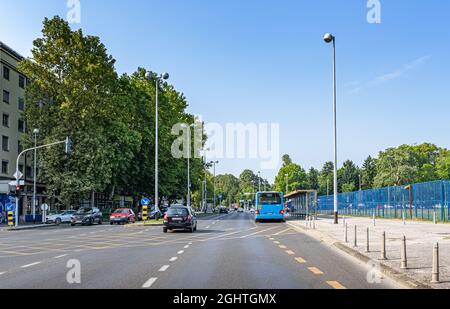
391	75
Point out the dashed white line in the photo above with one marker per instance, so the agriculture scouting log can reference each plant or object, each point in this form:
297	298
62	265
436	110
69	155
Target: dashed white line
173	259
149	283
186	247
2	273
60	256
207	227
190	243
180	252
30	265
164	268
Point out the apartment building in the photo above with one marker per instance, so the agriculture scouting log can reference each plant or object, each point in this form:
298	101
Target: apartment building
12	106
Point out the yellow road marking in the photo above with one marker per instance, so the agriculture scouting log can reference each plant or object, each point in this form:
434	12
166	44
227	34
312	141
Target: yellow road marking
315	271
336	285
290	252
300	260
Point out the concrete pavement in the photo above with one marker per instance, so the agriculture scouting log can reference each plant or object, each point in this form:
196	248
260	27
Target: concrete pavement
421	237
228	252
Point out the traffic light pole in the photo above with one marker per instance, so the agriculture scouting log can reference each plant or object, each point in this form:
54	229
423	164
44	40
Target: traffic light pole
18	175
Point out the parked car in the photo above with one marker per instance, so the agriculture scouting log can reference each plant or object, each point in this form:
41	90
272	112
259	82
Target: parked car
87	216
62	217
180	218
241	209
223	210
122	216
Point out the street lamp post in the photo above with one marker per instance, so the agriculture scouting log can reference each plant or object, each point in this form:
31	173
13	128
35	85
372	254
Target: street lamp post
259	181
287	183
149	76
329	38
189	165
205	195
214	182
35	134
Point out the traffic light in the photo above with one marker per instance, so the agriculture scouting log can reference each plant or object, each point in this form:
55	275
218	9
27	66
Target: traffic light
69	146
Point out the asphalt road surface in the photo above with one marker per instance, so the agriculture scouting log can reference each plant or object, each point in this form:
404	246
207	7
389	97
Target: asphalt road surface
228	252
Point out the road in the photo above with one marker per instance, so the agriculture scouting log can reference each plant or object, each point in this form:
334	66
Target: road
228	252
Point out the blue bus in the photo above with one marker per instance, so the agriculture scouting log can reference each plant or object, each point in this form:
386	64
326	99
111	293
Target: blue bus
269	206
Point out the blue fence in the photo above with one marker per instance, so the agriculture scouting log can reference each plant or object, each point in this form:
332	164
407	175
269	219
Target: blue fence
421	201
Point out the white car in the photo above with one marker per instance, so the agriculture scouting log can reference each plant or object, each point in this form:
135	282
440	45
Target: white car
63	217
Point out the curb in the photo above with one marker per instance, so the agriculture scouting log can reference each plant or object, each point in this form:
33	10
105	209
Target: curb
31	227
386	269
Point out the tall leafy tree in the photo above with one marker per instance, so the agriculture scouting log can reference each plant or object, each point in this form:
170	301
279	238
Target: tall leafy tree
369	171
313	179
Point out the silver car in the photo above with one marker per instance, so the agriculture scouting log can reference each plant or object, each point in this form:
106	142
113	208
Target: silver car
63	217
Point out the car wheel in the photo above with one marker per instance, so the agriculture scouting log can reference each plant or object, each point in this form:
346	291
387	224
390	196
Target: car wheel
72	224
58	221
165	230
100	222
112	223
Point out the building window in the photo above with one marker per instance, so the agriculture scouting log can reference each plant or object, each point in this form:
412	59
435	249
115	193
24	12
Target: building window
6	96
21	126
21	104
6	73
5	143
19	147
5	120
22	81
21	168
5	167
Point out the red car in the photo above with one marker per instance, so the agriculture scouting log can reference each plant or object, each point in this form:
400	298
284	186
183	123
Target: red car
122	216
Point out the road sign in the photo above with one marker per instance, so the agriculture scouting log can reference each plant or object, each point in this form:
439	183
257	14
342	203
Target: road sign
18	175
44	207
10	207
145	201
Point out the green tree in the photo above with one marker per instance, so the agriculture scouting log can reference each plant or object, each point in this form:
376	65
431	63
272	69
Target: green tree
313	179
326	179
296	177
73	93
348	175
443	165
369	172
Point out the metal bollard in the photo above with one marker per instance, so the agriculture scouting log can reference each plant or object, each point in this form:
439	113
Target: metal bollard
356	237
343	220
314	222
367	241
346	233
404	264
434	217
383	247
374	223
404	218
435	274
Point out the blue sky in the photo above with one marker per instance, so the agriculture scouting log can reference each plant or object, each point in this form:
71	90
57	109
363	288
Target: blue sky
265	61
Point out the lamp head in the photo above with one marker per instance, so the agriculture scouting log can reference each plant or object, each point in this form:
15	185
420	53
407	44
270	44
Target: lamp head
165	76
149	75
328	38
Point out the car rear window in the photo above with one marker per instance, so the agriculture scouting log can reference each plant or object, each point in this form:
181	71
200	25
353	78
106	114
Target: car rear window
177	212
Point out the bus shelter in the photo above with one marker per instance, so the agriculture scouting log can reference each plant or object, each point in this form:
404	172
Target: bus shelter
300	204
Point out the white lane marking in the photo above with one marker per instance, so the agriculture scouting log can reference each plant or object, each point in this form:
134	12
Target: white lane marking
60	256
259	232
173	259
164	268
30	265
149	283
180	252
190	243
279	233
186	247
2	273
207	227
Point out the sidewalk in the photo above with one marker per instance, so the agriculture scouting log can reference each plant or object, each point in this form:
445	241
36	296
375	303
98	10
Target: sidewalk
420	236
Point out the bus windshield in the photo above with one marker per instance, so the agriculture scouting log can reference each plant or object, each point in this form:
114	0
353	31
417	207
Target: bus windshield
269	199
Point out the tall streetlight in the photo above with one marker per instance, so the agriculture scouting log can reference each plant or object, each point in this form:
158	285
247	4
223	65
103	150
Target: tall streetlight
204	193
259	181
189	164
214	182
287	183
35	135
329	38
150	76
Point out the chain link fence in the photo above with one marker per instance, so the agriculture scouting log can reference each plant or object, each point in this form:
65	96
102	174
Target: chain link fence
421	201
